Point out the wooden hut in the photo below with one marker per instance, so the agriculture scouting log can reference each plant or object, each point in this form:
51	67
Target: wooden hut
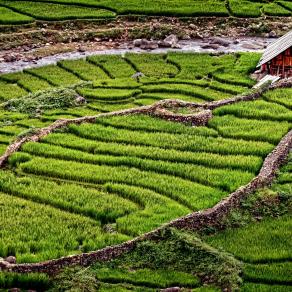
277	59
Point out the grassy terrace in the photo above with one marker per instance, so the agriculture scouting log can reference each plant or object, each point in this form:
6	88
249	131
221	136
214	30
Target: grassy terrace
153	170
264	246
19	12
257	234
93	185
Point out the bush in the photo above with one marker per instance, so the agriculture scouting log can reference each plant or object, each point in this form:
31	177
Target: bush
36	103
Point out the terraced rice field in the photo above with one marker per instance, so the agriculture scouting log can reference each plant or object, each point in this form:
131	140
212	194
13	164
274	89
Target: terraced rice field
18	12
97	184
264	247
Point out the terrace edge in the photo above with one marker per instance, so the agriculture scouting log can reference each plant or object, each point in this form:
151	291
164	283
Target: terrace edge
193	221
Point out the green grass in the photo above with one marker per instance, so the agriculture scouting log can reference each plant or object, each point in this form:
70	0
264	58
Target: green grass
124	176
269	273
258	109
100	69
120	83
247	287
49	11
108	94
228	180
244	162
152	124
39	232
280	96
156	209
10	90
30	82
233	127
171	186
172	141
56	10
147	277
245	8
188	90
286	4
278	10
55	75
153	65
11	17
115	66
68	197
84	70
194	66
265	241
25	281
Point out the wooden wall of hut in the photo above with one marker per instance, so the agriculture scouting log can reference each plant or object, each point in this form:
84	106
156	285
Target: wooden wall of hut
281	65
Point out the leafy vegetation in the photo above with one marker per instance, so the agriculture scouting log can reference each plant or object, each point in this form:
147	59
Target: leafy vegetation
49	11
11	17
90	9
35	104
98	184
60	231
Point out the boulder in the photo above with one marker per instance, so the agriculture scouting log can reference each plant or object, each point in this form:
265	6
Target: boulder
137	42
10	260
11	58
80	99
272	34
210	46
220	41
81	49
251	46
148	45
170	41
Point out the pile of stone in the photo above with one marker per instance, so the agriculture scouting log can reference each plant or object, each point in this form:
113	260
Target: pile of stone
169	42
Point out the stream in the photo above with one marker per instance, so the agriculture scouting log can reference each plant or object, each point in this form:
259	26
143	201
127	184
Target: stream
244	44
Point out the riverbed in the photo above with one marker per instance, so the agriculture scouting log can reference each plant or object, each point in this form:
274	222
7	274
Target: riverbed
244	44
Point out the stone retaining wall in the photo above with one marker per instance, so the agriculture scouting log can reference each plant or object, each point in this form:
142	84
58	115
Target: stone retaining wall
194	221
212	217
157	110
199	119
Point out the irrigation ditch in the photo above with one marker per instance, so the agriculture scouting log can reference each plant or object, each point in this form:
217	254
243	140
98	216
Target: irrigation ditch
193	221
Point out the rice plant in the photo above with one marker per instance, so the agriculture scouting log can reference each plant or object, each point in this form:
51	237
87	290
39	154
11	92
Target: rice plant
244	162
172	141
83	69
55	75
38	232
270	240
52	11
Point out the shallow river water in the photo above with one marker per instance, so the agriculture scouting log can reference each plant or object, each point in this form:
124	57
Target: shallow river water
246	44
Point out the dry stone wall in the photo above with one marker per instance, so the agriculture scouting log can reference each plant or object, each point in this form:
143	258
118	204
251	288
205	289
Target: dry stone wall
197	119
194	221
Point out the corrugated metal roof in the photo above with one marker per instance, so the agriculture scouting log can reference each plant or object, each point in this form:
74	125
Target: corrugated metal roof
276	48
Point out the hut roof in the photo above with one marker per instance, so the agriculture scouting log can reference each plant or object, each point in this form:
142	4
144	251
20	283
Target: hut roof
276	48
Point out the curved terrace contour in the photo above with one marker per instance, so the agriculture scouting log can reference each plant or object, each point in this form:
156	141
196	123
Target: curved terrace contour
33	158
